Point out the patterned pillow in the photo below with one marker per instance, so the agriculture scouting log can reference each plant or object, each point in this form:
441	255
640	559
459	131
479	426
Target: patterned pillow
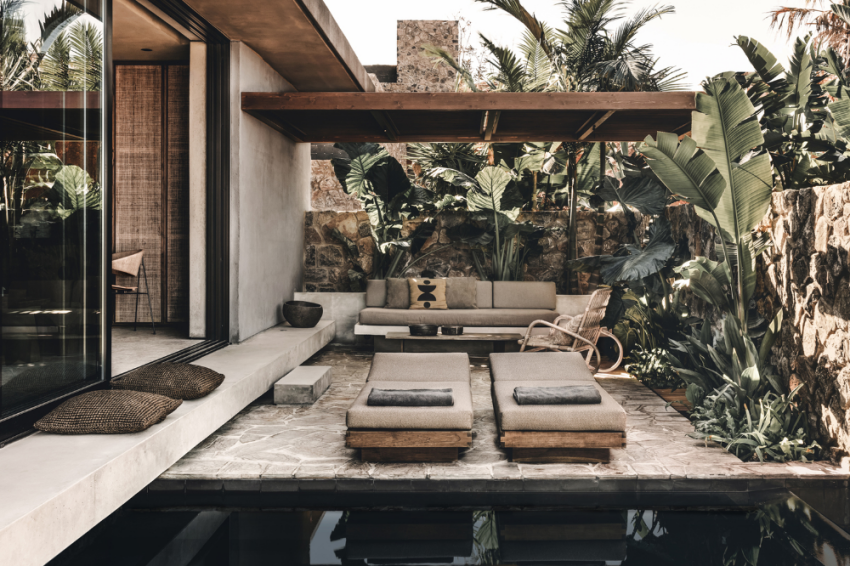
427	294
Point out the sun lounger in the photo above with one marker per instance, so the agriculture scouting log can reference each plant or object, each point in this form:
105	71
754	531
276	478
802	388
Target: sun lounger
413	434
553	433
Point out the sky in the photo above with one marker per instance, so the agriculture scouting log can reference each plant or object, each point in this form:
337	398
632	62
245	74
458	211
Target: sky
698	38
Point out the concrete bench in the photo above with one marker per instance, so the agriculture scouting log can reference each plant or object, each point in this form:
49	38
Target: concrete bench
302	386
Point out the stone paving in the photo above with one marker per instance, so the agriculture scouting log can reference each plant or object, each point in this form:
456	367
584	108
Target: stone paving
270	443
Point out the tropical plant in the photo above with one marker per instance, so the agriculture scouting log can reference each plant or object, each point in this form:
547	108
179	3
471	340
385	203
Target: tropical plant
583	53
493	198
381	185
653	368
804	112
830	24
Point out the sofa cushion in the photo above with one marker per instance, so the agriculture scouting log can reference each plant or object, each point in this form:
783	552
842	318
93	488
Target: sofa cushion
398	294
390	366
457	317
524	295
427	293
539	366
462	293
604	417
456	417
376	292
484	292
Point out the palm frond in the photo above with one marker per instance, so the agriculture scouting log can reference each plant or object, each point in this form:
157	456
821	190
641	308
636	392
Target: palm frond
510	75
534	26
628	30
441	56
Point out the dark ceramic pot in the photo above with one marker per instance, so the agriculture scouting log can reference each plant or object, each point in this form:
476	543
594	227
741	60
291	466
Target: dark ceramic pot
452	330
423	329
302	314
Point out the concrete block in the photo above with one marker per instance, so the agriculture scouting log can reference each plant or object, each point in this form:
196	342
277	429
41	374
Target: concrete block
302	386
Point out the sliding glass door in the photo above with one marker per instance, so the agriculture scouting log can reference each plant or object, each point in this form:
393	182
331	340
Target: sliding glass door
52	176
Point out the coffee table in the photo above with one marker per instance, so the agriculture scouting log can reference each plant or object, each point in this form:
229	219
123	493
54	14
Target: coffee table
447	343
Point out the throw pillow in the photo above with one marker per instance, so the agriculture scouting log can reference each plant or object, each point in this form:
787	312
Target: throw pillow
398	294
427	294
107	412
178	381
462	293
571	325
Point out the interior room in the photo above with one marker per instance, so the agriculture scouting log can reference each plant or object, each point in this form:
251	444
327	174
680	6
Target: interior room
150	188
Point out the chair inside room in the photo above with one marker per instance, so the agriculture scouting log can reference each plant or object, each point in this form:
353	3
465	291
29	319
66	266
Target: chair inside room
132	263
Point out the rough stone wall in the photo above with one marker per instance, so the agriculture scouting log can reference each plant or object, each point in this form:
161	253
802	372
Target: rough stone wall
808	276
417	72
327	262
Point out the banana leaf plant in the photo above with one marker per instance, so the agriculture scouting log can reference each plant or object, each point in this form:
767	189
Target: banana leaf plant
494	199
385	192
804	111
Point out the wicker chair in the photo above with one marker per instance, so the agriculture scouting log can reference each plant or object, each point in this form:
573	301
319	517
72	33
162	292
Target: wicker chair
576	334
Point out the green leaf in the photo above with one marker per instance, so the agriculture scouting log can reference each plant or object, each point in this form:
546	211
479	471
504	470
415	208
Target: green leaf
643	193
769	338
763	61
491	183
685	169
799	76
73	189
726	128
632	263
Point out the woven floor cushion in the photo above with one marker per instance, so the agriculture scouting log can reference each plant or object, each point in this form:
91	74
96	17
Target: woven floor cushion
178	381
108	412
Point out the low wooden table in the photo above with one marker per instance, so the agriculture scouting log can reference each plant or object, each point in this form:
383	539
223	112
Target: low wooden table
421	343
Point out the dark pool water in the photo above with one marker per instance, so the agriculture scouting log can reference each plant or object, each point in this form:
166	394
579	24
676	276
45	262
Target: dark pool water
780	532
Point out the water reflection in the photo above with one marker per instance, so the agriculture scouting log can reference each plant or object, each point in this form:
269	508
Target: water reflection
784	532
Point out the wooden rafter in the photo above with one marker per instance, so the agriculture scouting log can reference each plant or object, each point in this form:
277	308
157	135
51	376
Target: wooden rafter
471	117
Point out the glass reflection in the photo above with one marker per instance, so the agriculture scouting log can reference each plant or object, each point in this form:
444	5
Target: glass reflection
51	176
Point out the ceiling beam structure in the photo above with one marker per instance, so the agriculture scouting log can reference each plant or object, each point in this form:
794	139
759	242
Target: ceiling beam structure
472	117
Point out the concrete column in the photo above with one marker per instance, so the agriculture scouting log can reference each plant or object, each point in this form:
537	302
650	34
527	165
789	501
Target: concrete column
197	189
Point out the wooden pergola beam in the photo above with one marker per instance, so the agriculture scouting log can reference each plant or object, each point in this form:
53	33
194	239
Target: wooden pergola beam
480	101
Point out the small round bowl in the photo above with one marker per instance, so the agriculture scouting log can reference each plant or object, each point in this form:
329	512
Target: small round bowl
301	314
423	329
452	330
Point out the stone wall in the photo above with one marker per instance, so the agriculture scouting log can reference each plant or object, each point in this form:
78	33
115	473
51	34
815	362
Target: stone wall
808	276
417	72
327	262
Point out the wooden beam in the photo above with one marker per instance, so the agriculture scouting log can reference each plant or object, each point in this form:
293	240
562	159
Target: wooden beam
408	439
492	124
483	127
561	455
284	128
478	102
386	123
440	455
589	129
558	439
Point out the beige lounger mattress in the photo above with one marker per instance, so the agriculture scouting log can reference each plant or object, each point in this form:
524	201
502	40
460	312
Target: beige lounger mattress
456	417
540	366
607	416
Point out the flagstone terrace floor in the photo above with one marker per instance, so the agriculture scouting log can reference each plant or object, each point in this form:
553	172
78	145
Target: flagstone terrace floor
270	449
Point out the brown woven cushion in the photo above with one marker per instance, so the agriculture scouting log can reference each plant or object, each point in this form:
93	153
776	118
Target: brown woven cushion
107	412
178	381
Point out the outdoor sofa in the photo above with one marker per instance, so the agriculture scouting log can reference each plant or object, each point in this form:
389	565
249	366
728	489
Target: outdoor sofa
500	307
413	434
553	433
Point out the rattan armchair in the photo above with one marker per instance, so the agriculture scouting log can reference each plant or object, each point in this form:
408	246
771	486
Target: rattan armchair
576	334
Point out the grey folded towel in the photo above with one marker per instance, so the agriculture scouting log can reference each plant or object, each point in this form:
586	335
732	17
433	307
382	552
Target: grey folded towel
562	395
410	398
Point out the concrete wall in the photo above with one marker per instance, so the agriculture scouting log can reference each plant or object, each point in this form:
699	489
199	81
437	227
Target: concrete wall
270	192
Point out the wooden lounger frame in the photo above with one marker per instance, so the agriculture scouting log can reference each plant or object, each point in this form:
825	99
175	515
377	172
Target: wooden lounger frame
408	445
561	447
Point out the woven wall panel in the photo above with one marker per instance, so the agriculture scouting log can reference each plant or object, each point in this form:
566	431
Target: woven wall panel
177	89
138	180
